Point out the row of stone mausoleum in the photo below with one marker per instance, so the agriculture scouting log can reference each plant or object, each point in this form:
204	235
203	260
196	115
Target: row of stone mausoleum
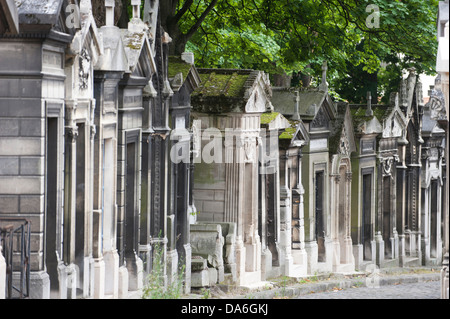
114	153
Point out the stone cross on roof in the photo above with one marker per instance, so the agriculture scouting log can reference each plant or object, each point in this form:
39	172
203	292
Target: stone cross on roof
324	85
369	111
136	4
296	115
109	16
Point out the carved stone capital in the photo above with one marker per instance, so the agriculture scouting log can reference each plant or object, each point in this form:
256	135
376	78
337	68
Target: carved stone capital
348	176
71	133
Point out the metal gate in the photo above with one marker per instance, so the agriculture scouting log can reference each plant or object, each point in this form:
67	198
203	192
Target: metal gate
15	242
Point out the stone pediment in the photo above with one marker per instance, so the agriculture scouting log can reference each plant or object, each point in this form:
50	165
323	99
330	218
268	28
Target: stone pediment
296	133
274	120
139	53
394	125
258	93
436	106
180	72
342	137
114	57
87	41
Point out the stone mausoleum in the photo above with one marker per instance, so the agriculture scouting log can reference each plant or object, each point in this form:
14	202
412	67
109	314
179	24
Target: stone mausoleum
114	153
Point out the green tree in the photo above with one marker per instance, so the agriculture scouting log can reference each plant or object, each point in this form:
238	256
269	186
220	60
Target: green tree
294	37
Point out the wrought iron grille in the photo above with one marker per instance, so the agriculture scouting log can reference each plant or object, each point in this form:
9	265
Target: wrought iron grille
15	243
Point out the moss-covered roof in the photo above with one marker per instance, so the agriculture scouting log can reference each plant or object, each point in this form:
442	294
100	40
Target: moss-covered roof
222	90
359	116
289	132
228	85
268	117
177	65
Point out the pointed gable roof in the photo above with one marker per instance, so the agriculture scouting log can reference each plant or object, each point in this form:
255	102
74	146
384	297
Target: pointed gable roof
139	53
433	113
311	101
179	71
342	136
392	118
232	90
87	36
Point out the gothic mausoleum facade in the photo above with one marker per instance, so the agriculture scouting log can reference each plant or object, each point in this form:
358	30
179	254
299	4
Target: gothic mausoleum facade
113	153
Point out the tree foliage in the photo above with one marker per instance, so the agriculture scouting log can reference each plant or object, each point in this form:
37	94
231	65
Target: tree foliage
294	37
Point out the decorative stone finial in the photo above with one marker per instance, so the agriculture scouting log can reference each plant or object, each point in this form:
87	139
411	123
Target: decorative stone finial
296	115
324	85
188	57
369	111
136	4
109	15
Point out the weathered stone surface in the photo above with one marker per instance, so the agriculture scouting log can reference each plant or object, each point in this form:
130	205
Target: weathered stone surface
207	241
200	279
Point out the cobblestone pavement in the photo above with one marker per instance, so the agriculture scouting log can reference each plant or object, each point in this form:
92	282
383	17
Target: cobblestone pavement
420	290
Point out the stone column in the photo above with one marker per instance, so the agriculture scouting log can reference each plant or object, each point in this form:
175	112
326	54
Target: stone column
401	204
68	280
379	242
335	206
285	217
349	257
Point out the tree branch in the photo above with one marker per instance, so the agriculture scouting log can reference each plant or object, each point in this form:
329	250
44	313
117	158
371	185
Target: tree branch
187	4
199	21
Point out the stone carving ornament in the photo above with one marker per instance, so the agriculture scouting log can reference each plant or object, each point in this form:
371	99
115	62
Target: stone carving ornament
320	120
196	138
249	149
387	166
344	147
436	105
85	67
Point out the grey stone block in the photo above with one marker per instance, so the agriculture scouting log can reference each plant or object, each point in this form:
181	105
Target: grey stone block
213	276
9	165
219	195
9	204
31	203
203	194
21	108
23	88
32	166
9	127
21	146
198	264
213	206
32	127
200	279
21	56
21	185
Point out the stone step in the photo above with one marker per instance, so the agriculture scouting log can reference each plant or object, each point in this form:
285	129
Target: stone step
411	262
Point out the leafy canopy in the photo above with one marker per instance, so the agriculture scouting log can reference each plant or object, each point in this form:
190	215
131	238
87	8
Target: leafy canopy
291	36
